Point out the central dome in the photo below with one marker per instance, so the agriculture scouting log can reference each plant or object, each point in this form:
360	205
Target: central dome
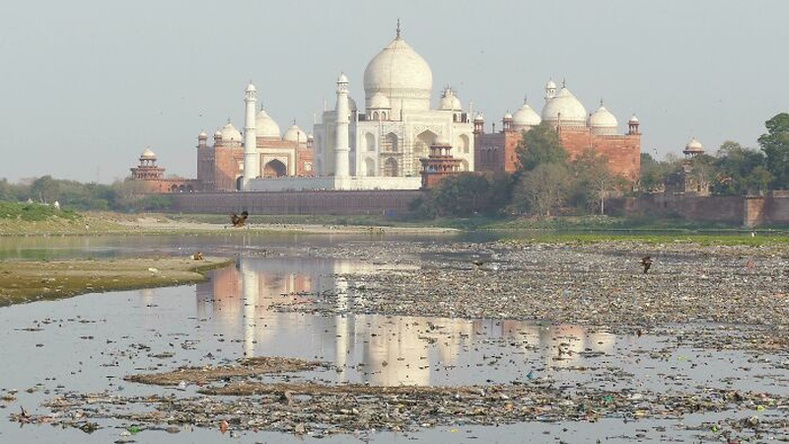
265	126
402	75
564	109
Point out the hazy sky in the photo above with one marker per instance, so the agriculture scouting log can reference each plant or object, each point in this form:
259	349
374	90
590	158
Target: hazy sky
87	85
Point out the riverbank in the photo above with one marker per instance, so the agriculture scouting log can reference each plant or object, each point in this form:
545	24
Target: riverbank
27	281
108	223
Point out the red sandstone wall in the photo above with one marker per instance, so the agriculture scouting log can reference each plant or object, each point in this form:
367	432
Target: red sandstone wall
307	202
622	151
226	170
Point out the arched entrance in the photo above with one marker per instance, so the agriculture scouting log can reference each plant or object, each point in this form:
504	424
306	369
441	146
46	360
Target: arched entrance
275	168
239	183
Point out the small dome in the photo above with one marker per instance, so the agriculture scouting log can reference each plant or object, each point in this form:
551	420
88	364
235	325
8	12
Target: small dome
294	134
310	136
525	117
218	134
603	122
230	133
550	85
379	101
449	101
265	126
694	146
147	154
352	104
479	118
251	87
564	108
202	136
441	140
507	116
343	78
633	119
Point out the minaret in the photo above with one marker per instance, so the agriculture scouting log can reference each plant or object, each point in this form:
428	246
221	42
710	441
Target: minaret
342	148
251	159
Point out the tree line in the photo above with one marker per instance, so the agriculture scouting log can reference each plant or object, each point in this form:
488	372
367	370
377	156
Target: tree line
122	196
547	182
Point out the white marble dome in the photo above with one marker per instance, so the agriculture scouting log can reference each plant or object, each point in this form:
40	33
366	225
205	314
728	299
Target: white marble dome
148	154
449	101
402	75
265	126
603	122
566	108
441	140
294	134
230	133
525	117
379	101
694	146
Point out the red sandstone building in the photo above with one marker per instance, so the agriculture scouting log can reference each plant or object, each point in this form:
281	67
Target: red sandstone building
220	167
151	177
439	164
577	131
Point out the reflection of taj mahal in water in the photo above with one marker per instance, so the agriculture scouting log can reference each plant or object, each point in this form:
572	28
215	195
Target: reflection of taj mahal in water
380	350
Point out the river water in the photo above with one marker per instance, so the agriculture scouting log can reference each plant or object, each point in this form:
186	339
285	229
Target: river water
89	343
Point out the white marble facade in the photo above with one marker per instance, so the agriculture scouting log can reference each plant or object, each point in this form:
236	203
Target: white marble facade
397	125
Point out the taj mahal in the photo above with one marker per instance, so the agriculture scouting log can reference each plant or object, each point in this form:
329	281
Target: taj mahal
383	145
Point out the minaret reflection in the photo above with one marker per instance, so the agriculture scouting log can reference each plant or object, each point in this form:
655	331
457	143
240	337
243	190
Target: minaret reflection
251	290
342	326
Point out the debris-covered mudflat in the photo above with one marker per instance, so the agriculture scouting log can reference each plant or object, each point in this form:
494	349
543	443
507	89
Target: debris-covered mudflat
701	335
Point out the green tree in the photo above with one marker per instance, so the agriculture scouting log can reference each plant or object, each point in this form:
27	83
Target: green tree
775	145
740	170
593	182
461	195
542	190
540	145
45	189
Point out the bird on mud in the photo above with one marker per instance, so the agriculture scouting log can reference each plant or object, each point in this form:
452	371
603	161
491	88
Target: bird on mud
646	261
239	221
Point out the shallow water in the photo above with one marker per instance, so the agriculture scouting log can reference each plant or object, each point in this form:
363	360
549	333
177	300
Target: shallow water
89	343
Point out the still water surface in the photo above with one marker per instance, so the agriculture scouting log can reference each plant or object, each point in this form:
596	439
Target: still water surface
89	343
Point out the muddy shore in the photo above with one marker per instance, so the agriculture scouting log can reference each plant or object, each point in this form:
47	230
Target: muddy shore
26	281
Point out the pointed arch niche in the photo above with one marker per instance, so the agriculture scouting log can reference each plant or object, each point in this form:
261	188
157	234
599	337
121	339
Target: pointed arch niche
275	168
391	167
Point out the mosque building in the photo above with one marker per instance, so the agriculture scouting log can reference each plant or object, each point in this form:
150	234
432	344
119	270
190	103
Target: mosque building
577	131
263	152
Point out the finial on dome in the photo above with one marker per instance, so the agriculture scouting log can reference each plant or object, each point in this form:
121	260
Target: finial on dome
525	99
564	83
397	35
601	102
